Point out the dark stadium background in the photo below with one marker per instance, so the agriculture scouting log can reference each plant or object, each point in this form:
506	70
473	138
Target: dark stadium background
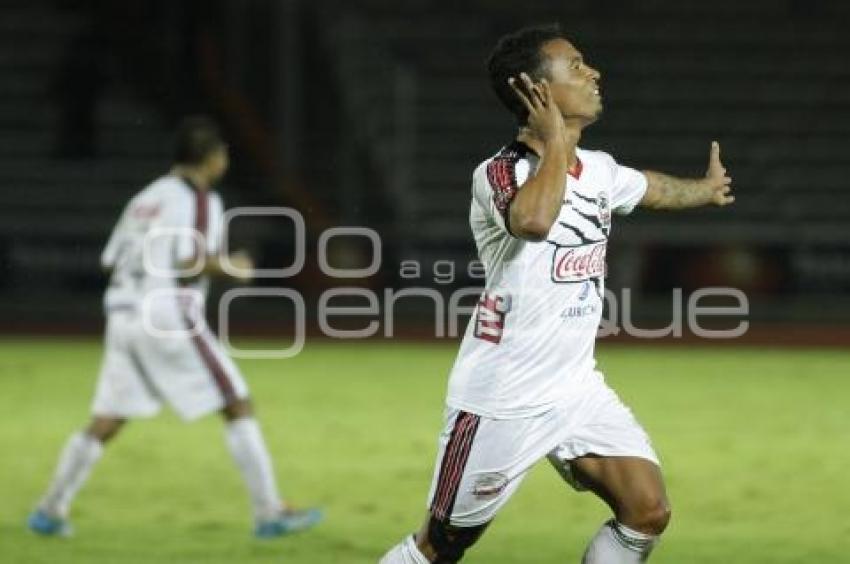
375	113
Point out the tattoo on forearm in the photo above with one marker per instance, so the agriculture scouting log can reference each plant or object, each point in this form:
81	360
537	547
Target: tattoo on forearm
669	192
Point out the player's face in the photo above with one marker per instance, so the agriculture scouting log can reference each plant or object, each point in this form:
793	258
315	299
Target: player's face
574	83
218	162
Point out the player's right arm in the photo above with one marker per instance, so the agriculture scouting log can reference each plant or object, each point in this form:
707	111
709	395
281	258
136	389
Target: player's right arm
538	201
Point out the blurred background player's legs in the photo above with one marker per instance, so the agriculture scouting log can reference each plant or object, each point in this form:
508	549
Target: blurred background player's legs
210	382
246	444
123	392
245	441
76	461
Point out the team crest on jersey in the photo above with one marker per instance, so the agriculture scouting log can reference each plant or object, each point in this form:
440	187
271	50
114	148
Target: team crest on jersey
604	211
489	484
578	263
490	317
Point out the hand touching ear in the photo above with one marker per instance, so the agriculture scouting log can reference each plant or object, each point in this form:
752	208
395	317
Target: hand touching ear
544	117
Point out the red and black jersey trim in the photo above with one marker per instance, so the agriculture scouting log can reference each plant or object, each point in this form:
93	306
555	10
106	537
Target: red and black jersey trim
501	174
576	169
452	467
214	366
216	370
202	206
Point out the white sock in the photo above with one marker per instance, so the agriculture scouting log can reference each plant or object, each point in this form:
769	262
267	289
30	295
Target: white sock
617	544
246	444
75	463
406	552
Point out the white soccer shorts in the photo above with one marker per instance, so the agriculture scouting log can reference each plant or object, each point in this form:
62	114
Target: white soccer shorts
141	371
482	461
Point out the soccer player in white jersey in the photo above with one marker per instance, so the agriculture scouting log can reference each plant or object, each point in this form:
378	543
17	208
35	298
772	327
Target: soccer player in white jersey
158	347
524	385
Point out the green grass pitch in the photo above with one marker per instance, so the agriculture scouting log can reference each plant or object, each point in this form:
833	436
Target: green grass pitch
754	443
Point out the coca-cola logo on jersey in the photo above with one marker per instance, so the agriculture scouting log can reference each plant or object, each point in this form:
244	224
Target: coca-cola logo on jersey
579	262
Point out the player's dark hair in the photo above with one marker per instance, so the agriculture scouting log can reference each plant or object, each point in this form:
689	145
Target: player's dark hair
517	52
196	138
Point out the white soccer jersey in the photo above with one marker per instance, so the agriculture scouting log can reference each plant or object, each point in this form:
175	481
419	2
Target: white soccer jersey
531	338
168	222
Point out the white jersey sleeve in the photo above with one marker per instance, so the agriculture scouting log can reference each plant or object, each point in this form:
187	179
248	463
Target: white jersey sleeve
628	188
505	175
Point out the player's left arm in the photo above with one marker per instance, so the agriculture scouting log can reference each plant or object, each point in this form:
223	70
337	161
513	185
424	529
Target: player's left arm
665	192
238	265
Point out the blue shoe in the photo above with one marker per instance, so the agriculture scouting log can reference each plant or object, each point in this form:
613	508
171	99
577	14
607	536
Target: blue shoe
288	522
44	524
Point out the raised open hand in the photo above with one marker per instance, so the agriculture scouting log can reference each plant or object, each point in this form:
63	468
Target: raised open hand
718	182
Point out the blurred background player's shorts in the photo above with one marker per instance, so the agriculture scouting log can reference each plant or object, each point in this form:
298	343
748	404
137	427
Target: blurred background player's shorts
141	371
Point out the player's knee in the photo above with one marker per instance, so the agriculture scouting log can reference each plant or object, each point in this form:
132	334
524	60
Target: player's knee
651	517
237	409
446	544
657	518
103	429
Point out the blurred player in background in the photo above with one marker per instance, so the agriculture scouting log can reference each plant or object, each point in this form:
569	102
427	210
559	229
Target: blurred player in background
524	385
158	347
